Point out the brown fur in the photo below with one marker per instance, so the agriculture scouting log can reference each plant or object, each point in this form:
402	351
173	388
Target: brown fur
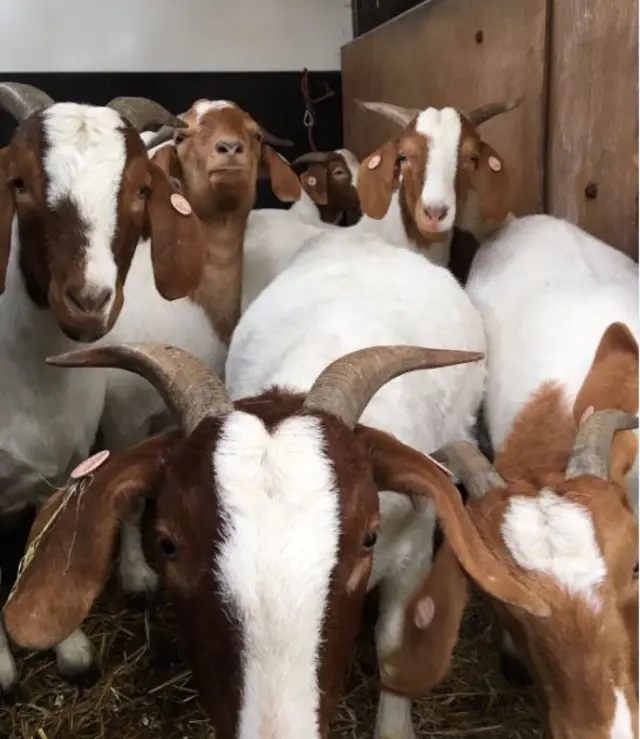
333	190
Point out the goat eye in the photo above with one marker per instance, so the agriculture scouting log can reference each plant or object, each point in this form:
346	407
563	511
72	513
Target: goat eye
370	539
168	547
258	137
144	191
18	184
179	138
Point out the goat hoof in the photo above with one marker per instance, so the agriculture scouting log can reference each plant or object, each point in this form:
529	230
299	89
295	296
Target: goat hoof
85	679
514	671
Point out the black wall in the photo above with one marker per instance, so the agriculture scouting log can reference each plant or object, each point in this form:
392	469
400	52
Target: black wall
369	14
272	98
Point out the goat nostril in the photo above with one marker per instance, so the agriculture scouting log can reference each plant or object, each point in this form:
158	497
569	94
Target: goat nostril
229	146
437	212
88	301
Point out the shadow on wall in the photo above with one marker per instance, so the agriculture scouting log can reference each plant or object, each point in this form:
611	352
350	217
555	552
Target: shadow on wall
272	98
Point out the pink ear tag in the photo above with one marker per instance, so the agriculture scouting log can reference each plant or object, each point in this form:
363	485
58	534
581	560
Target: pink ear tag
90	464
441	466
495	164
374	161
181	204
311	180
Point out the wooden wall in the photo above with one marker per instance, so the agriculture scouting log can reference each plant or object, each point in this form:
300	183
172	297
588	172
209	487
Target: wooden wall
569	147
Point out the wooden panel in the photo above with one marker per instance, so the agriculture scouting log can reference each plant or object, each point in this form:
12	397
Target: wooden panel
369	14
461	53
593	118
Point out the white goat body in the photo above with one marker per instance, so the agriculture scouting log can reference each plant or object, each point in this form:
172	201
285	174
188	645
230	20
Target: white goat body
339	294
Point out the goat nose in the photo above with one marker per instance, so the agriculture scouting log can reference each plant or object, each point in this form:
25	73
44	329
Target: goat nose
436	212
229	146
86	300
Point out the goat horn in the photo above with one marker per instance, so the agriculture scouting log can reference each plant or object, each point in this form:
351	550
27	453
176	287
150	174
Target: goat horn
480	115
346	386
396	113
144	114
22	100
313	157
592	445
470	466
269	138
191	390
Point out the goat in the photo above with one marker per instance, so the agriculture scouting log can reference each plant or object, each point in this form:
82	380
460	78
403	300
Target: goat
76	193
267	516
215	161
339	294
555	510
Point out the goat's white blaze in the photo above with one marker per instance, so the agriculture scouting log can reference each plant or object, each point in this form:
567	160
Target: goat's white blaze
281	506
352	163
622	726
84	162
202	107
442	129
555	536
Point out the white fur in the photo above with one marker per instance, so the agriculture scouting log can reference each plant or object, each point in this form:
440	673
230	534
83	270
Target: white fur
84	162
547	291
622	726
74	654
202	107
554	536
442	130
281	511
339	294
8	669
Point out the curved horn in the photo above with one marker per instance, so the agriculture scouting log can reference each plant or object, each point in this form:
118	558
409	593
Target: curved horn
191	390
470	466
346	386
481	115
269	138
312	157
163	134
396	113
592	445
143	113
22	100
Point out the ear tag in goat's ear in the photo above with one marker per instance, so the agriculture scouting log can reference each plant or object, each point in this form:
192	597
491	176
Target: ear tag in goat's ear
90	464
311	181
181	204
441	466
495	164
425	610
374	161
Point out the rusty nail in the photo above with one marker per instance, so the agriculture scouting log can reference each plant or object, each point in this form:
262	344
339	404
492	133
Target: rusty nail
479	37
591	191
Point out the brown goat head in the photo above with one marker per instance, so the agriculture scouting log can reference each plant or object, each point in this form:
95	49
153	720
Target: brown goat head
78	184
266	517
439	163
221	154
556	512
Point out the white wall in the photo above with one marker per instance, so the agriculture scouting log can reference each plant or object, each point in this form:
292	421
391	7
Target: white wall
172	35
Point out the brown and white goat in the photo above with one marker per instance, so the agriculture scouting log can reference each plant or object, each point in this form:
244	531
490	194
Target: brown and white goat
267	516
556	512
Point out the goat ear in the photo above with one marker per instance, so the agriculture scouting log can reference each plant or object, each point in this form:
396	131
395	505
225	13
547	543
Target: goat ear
178	242
400	468
69	564
166	158
284	181
628	604
491	182
427	645
377	180
314	181
6	216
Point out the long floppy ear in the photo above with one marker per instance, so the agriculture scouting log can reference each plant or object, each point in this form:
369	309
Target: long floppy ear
314	181
284	181
628	604
178	242
67	568
377	180
612	383
6	216
491	182
167	159
400	468
431	627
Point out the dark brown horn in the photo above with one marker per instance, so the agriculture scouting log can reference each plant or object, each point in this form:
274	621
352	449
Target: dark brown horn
22	100
144	114
191	390
592	445
346	386
470	466
481	115
269	138
396	113
313	157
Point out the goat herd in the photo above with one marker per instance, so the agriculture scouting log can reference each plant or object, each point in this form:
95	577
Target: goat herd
276	418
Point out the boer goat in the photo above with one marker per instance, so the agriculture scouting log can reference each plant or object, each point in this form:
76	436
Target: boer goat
267	516
77	192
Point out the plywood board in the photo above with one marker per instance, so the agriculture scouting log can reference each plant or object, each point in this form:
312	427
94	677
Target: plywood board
593	118
461	53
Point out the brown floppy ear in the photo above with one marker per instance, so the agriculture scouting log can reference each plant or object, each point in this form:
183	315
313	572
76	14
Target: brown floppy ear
400	468
284	181
314	181
178	242
377	180
612	383
6	216
70	563
491	182
628	604
167	159
428	643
